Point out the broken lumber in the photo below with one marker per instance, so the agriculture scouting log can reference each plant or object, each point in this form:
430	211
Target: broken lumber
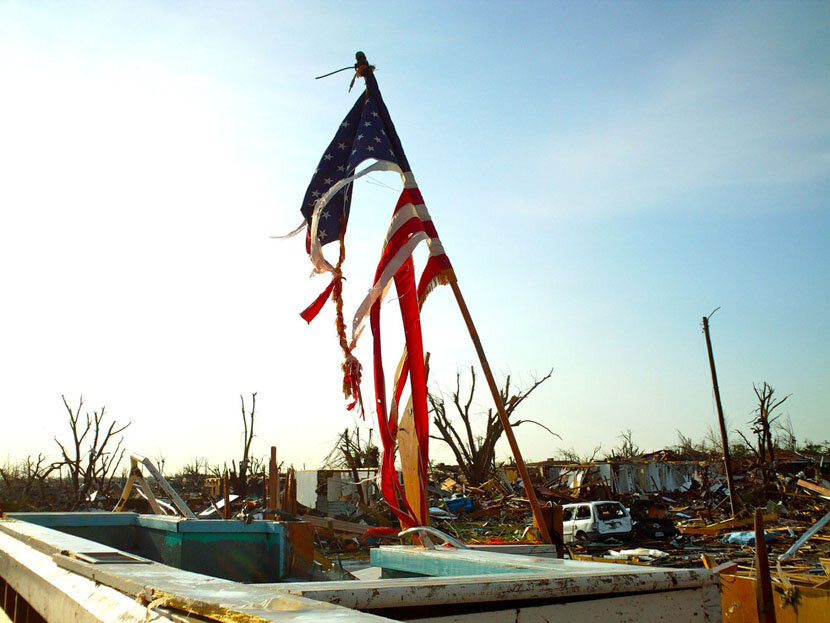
822	491
722	526
337	525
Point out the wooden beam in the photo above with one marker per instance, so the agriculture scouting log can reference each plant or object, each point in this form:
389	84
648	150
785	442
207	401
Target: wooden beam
148	493
813	487
273	481
125	495
180	504
289	494
413	485
337	525
763	582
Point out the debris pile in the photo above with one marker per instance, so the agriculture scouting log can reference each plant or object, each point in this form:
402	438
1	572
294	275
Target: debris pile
678	506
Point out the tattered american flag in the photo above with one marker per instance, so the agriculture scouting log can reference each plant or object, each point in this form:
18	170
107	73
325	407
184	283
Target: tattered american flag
367	133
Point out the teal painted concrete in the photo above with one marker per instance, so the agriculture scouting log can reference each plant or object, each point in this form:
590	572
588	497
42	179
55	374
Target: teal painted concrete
228	549
77	519
405	564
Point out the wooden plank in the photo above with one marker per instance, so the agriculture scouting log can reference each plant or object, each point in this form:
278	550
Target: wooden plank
289	494
184	509
324	562
813	487
763	587
148	493
337	525
408	450
125	494
723	526
302	552
383	521
728	567
729	524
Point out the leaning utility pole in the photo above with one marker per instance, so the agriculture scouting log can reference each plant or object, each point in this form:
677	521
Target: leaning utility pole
726	460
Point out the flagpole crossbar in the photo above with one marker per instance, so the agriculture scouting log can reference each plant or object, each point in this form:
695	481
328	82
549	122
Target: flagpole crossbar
331	73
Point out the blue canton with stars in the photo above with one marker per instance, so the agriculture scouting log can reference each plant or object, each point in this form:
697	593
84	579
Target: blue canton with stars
360	137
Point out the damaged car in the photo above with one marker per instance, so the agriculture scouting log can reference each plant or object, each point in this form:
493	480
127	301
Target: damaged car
595	521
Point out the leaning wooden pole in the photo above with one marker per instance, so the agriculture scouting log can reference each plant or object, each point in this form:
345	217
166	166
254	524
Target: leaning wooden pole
538	518
366	71
726	459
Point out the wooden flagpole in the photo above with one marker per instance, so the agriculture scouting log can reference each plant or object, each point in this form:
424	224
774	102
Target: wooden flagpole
538	518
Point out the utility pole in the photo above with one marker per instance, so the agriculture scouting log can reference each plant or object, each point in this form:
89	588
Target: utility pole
726	459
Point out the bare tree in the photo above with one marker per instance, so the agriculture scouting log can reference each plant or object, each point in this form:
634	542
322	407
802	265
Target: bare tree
90	465
712	442
351	452
685	445
569	454
191	477
628	449
476	453
787	439
762	426
240	477
197	467
216	470
24	484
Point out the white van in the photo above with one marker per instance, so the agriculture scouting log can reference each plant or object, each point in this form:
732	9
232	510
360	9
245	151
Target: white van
595	521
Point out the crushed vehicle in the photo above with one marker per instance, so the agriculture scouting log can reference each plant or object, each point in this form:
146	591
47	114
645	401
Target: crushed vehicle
651	521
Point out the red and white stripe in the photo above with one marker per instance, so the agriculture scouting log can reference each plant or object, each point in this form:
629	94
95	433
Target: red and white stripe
411	224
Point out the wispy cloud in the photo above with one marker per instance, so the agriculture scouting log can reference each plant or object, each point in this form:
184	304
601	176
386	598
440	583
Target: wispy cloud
740	108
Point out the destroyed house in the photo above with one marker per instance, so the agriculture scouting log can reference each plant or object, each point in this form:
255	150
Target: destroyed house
335	491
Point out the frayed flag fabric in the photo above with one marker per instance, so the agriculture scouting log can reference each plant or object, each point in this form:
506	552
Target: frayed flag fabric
360	137
367	133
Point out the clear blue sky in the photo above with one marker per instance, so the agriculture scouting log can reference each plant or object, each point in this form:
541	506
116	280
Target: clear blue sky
602	175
